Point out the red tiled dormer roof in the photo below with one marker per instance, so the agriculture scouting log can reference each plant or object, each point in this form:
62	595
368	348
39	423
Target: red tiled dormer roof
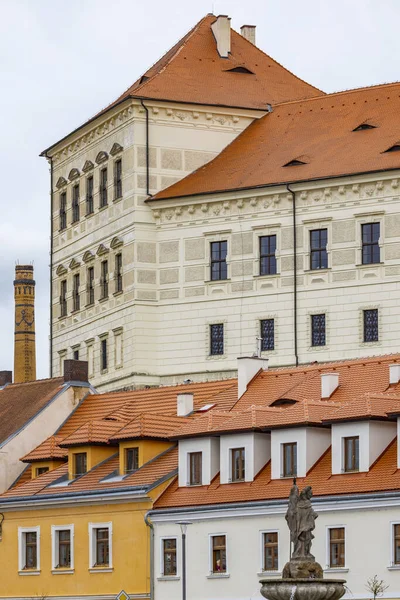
369	406
149	426
94	432
47	450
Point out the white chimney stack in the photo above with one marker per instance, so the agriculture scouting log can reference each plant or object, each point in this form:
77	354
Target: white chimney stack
329	383
184	405
221	29
247	368
394	373
249	32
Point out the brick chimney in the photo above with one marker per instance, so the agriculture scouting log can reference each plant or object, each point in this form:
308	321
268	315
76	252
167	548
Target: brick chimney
249	32
24	332
5	377
221	29
76	370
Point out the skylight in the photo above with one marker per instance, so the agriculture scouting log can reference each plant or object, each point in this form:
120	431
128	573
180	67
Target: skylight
295	163
395	148
364	126
205	408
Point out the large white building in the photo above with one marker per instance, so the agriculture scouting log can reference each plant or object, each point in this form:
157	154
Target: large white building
160	275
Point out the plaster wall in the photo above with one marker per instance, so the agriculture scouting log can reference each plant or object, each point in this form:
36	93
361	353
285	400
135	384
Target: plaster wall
209	447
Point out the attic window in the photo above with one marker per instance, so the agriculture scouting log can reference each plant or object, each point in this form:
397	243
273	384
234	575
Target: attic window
283	402
395	148
364	126
240	70
143	79
205	408
295	163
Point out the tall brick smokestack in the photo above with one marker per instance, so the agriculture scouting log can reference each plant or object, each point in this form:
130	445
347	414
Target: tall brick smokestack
24	336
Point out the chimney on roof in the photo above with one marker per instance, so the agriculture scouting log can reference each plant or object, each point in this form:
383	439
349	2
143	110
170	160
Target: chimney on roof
24	332
76	370
184	404
394	373
5	377
329	383
247	368
221	29
249	32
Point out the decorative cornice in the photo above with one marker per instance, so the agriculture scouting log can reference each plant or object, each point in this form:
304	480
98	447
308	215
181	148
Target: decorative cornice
61	182
101	157
88	257
116	242
88	166
74	264
61	270
101	250
116	149
73	174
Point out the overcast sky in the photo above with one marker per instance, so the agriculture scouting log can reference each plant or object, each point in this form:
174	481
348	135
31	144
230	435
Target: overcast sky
61	61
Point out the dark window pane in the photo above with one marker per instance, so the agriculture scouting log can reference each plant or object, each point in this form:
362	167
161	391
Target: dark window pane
195	468
217	339
169	552
318	337
318	252
104	356
218	253
270	551
336	547
64	548
219	554
289	452
102	547
371	325
267	255
131	459
31	550
370	233
267	335
238	464
80	461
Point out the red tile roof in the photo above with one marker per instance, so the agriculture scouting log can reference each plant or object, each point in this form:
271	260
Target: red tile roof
318	131
48	450
93	432
149	426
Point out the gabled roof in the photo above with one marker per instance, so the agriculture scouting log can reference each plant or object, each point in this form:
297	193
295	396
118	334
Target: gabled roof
47	450
321	129
369	406
149	426
93	432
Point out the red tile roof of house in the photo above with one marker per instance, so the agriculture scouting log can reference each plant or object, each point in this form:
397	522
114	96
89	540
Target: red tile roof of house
47	450
149	426
93	432
318	132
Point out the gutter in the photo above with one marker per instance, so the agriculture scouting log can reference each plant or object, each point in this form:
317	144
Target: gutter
296	357
147	149
150	524
51	269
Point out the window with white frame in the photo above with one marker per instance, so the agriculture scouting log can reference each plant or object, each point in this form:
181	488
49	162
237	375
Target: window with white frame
218	564
336	547
100	545
168	557
395	544
269	551
29	549
62	542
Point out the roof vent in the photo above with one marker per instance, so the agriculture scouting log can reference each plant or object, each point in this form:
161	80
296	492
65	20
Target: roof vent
283	402
394	374
364	126
249	33
221	29
247	369
240	70
395	148
184	404
295	163
329	383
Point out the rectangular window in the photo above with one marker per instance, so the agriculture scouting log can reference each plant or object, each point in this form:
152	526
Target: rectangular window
118	179
318	337
268	255
371	325
270	549
267	334
370	233
238	464
41	470
289	459
216	339
102	547
169	557
63	298
396	544
104	280
31	550
195	468
89	196
75	203
64	548
218	546
318	253
104	354
118	272
103	188
351	453
219	269
75	295
336	547
131	459
80	463
63	211
76	354
90	286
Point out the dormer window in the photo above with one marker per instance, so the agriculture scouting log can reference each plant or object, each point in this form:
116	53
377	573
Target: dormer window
364	126
238	464
295	163
41	470
80	464
131	460
394	148
351	454
195	468
240	70
289	459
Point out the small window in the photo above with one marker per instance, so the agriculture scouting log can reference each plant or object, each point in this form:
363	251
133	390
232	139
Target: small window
104	280
364	126
289	459
267	334
63	211
396	544
294	163
371	325
169	557
394	148
216	339
63	298
268	255
195	468
63	548
80	464
90	286
371	253
131	460
31	550
270	549
103	188
104	354
118	179
218	545
318	253
75	203
75	292
41	470
337	547
240	70
351	453
118	272
76	354
318	337
89	195
102	547
238	464
219	269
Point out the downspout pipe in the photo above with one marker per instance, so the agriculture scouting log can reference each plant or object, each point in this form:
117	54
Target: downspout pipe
296	356
150	524
147	149
51	267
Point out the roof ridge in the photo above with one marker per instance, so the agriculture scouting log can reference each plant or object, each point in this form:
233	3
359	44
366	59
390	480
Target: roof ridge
35	381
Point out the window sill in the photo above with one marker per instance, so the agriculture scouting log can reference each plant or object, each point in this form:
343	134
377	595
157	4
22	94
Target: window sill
62	317
75	222
393	568
103	207
118	293
29	572
218	576
89	305
324	270
269	574
77	310
216	281
103	299
62	571
62	230
269	276
117	199
366	265
168	578
101	570
336	570
89	214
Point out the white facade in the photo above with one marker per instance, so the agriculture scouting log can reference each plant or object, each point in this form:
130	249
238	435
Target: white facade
311	444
